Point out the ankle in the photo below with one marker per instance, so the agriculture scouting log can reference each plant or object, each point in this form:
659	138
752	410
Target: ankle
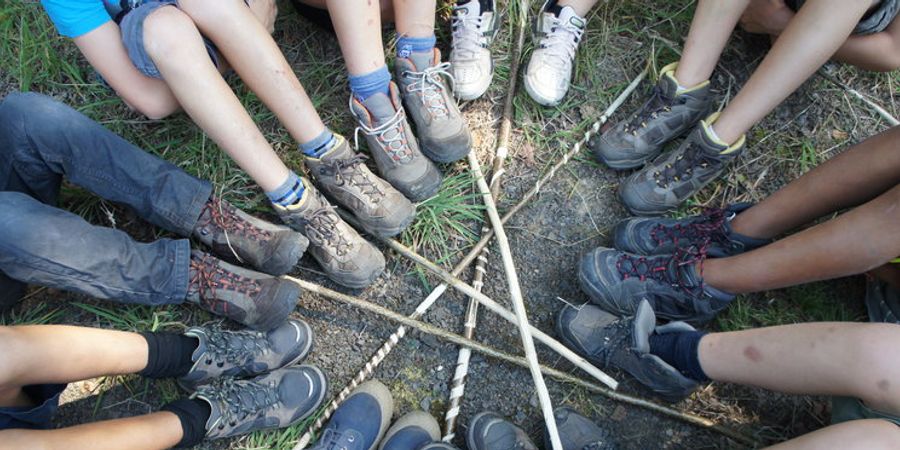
289	192
365	85
193	415
680	350
407	45
168	355
686	79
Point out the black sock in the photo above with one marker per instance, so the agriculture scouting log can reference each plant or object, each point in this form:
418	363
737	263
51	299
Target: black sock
554	8
168	355
486	5
680	351
193	415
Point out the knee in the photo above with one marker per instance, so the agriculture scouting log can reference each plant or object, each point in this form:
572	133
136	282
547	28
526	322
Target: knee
14	222
165	32
871	434
213	13
30	107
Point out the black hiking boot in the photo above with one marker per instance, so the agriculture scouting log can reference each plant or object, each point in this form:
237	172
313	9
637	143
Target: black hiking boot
245	353
490	431
257	300
607	340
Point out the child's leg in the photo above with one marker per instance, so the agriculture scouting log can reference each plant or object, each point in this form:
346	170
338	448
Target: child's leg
581	7
844	359
711	27
851	178
358	27
870	434
159	430
414	18
812	37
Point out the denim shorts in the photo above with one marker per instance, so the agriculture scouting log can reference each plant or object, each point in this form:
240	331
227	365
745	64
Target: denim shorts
875	21
46	399
132	26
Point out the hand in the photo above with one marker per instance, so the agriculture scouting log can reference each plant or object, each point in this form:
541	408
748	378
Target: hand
265	11
766	17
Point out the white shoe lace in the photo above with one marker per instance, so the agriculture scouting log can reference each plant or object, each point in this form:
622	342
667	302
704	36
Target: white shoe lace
430	85
468	36
394	143
562	42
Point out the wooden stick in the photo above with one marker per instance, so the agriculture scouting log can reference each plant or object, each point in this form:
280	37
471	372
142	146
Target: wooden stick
877	108
519	361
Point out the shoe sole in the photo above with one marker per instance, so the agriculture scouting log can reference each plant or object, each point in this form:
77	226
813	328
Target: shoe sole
436	157
420	419
541	100
639	212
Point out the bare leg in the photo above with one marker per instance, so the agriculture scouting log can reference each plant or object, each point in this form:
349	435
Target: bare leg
150	432
871	434
358	27
713	22
812	37
849	179
253	54
415	18
175	45
844	359
581	7
858	241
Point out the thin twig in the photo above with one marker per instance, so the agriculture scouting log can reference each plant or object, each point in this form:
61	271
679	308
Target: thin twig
877	108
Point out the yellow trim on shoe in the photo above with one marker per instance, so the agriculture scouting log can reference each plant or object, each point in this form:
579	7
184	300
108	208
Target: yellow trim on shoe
706	125
305	198
338	140
669	71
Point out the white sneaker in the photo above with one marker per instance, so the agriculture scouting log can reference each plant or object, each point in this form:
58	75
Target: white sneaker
470	56
550	69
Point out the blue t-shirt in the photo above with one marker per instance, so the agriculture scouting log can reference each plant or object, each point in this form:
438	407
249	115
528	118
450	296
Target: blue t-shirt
74	18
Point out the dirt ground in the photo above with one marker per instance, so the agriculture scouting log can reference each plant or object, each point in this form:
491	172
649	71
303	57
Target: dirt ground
573	214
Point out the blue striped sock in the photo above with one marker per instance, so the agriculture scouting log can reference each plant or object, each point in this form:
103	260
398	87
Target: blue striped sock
319	145
365	85
408	45
289	193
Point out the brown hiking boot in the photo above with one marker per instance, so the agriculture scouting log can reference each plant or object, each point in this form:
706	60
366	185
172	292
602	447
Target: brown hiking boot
257	300
343	177
241	238
393	146
346	257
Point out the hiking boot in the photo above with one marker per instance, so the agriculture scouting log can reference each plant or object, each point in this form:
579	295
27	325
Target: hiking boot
667	114
241	238
277	399
618	281
411	432
360	422
438	446
605	339
556	40
346	257
443	133
392	144
578	432
257	300
711	229
490	431
667	182
245	353
470	56
342	176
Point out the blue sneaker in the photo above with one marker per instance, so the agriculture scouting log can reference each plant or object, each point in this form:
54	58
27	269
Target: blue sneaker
360	421
411	432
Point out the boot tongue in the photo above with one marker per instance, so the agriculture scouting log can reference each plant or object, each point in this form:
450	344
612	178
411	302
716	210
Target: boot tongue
644	324
470	10
568	15
422	60
380	107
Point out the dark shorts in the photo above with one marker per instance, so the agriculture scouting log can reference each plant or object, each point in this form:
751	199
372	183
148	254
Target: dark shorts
132	26
45	396
875	21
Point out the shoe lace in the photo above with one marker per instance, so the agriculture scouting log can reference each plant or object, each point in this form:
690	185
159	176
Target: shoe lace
562	41
321	229
656	104
683	167
350	171
241	400
429	83
668	269
390	134
706	229
237	347
468	36
207	276
331	440
616	339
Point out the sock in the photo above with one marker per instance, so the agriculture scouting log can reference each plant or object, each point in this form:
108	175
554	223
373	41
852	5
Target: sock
365	85
554	8
168	355
193	415
408	45
486	5
712	133
289	193
679	350
319	145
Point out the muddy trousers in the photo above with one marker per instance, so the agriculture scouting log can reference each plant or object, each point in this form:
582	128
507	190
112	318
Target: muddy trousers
42	142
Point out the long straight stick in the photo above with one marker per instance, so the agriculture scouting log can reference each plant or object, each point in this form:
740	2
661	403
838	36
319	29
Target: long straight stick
458	384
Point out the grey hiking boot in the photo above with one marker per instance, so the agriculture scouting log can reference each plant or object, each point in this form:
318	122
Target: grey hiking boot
360	421
342	176
245	353
659	236
275	400
346	257
490	431
578	432
411	432
666	115
618	281
607	340
392	144
443	133
257	300
241	238
667	182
